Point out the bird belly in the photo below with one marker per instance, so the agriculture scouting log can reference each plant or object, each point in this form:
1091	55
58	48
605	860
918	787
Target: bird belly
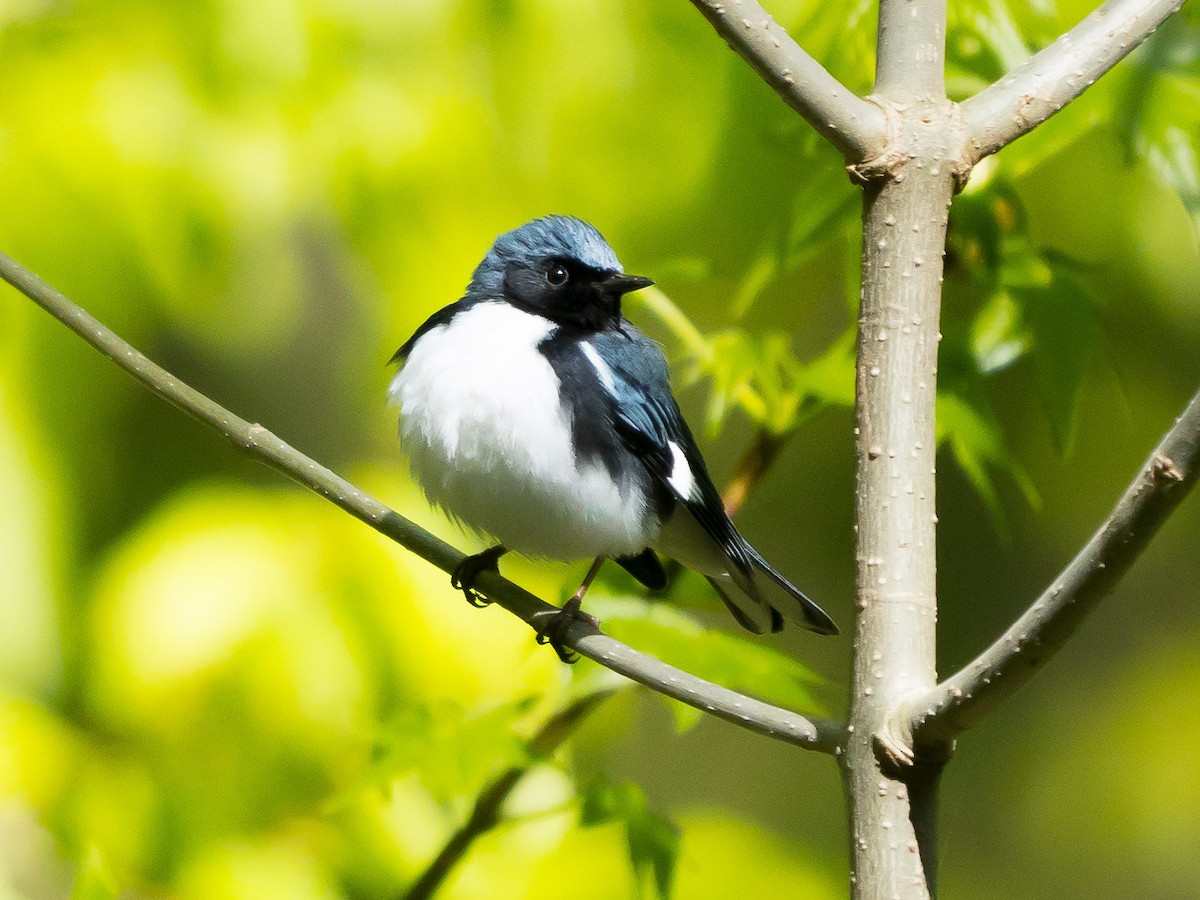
489	441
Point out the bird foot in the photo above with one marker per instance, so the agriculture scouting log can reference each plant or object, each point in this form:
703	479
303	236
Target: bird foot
468	570
554	630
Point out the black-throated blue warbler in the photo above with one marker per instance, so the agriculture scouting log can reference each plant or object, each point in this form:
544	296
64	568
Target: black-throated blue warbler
533	412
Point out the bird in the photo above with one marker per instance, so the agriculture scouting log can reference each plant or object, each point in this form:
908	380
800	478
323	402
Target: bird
533	412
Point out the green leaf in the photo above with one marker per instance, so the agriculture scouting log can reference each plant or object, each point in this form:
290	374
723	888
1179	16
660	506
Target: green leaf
653	840
973	437
825	204
653	301
1063	318
761	273
740	663
449	749
998	335
842	35
1032	303
760	374
654	847
1163	96
829	379
731	368
606	801
757	373
985	39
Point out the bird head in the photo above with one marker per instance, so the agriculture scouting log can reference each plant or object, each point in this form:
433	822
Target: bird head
558	267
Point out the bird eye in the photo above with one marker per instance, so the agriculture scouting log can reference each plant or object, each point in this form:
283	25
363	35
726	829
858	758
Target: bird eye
556	274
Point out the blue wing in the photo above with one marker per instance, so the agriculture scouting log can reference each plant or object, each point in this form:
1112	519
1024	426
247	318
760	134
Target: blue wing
648	421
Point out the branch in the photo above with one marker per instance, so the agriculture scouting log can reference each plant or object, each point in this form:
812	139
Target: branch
1048	81
911	52
485	815
904	236
750	469
263	446
1166	477
856	127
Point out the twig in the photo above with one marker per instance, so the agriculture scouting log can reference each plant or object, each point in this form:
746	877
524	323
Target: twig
1048	81
753	465
485	815
965	697
260	444
856	127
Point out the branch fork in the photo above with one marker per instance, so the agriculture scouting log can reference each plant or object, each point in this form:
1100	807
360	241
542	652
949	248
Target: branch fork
909	126
1166	477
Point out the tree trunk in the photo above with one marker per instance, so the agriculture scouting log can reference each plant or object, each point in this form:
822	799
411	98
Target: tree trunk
904	218
892	797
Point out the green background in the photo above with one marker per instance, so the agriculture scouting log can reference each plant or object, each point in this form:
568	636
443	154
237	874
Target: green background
212	684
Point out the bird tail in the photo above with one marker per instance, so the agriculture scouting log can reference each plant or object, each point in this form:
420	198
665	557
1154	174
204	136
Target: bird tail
761	604
784	597
751	613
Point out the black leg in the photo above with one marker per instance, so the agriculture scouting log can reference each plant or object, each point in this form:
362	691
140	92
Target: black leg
468	570
554	632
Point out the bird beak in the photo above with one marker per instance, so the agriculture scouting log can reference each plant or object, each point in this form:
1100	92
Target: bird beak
619	284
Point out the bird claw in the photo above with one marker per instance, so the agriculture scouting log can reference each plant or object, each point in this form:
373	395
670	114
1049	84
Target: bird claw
473	596
468	570
554	630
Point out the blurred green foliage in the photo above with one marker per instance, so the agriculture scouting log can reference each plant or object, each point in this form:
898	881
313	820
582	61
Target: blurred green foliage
213	686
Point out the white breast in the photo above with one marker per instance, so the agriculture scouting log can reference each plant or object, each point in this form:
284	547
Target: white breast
489	441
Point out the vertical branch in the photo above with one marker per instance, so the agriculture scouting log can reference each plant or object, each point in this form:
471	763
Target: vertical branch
893	807
894	642
909	183
911	50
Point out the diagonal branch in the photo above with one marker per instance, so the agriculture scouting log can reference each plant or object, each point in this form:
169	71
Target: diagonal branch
485	814
856	127
758	458
1048	81
263	446
1166	477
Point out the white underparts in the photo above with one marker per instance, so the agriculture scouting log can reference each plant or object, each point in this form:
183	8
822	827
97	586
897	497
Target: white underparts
489	441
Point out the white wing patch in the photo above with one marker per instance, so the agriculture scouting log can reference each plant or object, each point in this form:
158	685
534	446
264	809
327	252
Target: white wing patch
602	370
681	478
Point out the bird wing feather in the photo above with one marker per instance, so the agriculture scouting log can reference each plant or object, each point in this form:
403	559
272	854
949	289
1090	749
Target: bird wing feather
648	420
441	317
